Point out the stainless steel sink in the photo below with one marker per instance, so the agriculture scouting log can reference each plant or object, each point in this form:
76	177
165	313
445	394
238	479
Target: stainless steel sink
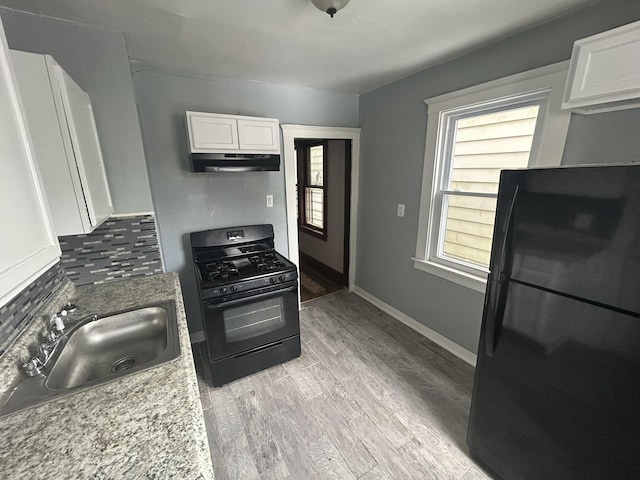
100	351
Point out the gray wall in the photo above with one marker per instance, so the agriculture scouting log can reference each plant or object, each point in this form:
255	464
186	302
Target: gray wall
393	121
330	251
97	60
186	202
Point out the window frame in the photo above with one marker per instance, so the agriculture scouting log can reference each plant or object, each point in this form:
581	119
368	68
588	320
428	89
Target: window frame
543	86
303	175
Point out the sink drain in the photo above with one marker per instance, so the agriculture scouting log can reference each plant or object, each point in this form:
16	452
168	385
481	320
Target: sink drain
123	364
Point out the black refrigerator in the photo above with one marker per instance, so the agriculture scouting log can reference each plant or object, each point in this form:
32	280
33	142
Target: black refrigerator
557	384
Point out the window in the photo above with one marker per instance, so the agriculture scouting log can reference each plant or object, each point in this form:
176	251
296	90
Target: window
471	136
312	165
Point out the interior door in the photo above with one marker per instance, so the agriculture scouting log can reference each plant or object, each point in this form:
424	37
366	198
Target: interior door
86	148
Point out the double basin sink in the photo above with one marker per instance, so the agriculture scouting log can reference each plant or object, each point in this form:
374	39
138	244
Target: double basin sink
103	349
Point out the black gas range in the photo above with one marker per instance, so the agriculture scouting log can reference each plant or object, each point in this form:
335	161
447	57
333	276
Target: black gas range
249	300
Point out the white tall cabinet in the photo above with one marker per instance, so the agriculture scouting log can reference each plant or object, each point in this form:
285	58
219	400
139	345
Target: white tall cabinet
60	118
28	244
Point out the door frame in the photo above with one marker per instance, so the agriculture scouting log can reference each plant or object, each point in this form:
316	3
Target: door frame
290	133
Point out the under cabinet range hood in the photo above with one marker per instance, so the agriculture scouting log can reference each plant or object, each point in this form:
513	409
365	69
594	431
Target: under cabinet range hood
234	162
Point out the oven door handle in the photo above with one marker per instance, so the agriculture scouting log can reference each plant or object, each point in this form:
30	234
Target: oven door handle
212	304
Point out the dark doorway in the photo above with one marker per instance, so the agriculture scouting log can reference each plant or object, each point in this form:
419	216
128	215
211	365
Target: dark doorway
323	210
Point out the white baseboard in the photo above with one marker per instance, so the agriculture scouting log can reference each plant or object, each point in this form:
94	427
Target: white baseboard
423	330
197	337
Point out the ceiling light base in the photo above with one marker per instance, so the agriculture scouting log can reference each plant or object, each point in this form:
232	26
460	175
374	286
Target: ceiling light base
330	6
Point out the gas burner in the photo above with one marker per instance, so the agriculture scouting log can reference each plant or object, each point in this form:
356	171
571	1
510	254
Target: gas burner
266	262
221	270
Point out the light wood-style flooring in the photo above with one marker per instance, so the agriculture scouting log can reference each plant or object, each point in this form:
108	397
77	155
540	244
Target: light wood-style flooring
368	399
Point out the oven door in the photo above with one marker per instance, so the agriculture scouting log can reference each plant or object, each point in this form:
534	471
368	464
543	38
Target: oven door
236	325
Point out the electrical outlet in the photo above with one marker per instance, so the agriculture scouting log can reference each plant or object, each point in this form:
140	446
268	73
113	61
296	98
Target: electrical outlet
269	200
401	209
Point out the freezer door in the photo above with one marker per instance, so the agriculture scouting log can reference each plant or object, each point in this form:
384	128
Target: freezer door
558	397
577	231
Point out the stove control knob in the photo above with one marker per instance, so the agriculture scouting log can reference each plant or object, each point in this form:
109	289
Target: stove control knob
234	288
282	278
223	290
273	279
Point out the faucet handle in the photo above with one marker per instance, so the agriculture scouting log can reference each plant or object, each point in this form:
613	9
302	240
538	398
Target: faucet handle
64	311
67	309
57	325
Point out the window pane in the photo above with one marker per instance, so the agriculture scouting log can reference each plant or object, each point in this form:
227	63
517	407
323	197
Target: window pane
315	209
316	173
487	143
468	231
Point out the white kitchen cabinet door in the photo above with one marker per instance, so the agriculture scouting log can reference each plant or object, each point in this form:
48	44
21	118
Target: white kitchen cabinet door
211	132
605	72
259	135
65	141
86	149
28	244
53	150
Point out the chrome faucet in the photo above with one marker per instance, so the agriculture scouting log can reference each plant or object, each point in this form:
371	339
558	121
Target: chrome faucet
58	332
57	323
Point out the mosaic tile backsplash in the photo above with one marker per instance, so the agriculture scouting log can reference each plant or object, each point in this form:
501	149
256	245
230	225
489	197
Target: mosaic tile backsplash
120	248
16	315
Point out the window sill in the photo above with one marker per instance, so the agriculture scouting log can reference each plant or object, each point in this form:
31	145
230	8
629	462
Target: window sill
474	282
315	233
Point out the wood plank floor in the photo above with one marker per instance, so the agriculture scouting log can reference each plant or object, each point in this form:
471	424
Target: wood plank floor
314	283
368	399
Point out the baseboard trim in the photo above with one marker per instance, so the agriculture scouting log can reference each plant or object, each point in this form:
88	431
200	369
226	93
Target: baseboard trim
422	329
333	274
197	337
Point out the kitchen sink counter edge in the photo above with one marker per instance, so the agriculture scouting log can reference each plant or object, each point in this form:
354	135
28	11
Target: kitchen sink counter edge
146	425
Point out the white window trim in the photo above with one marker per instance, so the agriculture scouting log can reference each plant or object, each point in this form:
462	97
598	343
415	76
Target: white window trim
548	154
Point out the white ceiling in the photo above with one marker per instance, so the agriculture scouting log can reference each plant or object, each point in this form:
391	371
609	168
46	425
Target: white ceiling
367	44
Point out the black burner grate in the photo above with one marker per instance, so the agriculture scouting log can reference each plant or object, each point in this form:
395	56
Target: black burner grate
221	270
266	262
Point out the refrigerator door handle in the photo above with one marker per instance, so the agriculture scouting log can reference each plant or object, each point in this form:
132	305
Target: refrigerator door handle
495	312
506	229
497	284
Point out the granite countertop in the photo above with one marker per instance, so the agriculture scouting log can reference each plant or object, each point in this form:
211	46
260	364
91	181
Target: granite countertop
145	425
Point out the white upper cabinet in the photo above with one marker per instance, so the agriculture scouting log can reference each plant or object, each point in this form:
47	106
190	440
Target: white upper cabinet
212	132
217	133
86	148
605	72
28	244
258	134
66	143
